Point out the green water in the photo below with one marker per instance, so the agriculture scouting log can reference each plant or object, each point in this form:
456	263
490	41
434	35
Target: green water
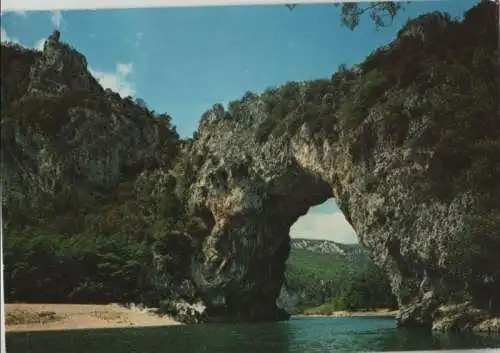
298	335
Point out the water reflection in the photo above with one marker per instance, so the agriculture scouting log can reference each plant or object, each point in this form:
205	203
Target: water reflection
298	335
244	338
422	339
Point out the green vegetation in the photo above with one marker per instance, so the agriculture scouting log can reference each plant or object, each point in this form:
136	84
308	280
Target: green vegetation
367	290
123	246
49	115
456	82
434	86
16	63
333	281
471	261
129	242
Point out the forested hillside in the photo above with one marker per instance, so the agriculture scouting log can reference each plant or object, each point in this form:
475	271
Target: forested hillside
90	212
342	275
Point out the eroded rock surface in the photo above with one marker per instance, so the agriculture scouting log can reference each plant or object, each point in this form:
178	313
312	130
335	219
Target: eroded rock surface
397	184
61	128
407	143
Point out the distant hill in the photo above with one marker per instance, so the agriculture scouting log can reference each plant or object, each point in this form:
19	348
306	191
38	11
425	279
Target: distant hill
318	245
353	252
316	270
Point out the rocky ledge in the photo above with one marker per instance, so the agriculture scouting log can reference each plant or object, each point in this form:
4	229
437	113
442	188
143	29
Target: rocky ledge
407	142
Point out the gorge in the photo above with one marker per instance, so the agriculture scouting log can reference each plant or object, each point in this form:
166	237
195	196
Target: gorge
407	142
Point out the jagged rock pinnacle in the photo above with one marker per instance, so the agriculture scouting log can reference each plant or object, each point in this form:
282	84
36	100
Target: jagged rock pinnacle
52	39
55	36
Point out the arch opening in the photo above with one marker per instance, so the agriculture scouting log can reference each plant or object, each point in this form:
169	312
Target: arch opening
324	221
327	269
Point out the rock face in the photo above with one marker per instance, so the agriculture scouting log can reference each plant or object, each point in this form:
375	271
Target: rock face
398	187
76	132
319	246
408	143
60	69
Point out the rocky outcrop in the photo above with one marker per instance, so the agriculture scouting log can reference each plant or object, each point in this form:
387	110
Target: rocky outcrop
289	300
407	143
60	69
462	317
410	212
60	128
319	246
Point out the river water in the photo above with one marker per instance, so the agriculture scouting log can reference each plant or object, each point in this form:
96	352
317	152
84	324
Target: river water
298	335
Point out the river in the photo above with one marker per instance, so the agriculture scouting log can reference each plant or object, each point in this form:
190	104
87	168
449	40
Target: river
298	335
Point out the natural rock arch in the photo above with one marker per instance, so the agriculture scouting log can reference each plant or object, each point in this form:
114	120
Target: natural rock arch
395	181
254	193
253	207
405	142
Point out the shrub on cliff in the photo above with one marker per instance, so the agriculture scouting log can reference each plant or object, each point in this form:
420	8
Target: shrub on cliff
473	259
415	64
16	62
95	244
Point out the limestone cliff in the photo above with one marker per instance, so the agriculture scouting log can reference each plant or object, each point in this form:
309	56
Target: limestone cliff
400	142
407	142
60	128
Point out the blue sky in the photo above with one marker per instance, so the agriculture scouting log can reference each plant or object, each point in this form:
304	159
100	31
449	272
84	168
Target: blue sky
184	60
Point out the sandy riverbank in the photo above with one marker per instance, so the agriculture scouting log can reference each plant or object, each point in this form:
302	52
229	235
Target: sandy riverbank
381	313
40	317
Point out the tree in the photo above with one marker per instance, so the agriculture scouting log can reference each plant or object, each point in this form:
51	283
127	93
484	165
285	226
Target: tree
382	13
